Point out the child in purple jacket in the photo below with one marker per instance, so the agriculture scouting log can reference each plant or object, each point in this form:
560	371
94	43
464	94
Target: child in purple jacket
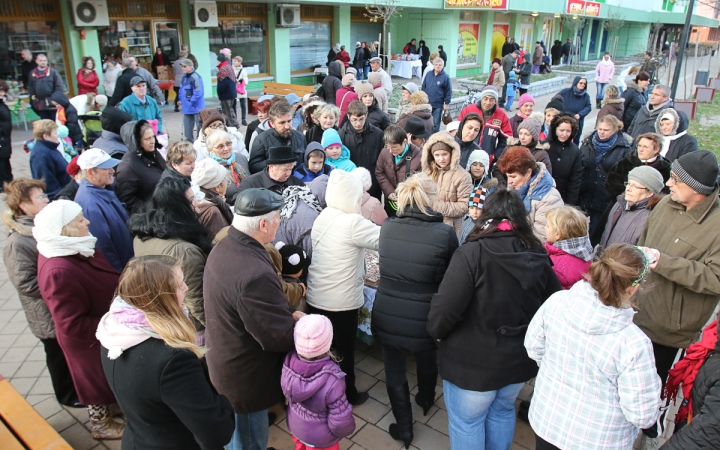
318	415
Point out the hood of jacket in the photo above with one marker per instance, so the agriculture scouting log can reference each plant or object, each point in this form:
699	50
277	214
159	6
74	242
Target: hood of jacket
22	225
423	111
592	317
526	58
344	192
675	118
480	156
130	133
445	138
313	146
631	84
112	119
334	69
575	90
527	268
613	101
318	187
308	376
684	121
60	98
471	115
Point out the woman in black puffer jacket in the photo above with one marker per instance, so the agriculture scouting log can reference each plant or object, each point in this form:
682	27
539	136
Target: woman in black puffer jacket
566	157
635	97
415	250
601	151
141	166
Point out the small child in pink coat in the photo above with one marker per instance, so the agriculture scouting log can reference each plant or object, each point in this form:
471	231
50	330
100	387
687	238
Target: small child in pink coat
568	244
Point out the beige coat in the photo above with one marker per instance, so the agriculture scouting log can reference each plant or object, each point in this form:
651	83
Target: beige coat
454	184
539	208
499	80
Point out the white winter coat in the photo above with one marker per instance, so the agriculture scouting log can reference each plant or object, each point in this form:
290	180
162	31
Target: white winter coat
340	236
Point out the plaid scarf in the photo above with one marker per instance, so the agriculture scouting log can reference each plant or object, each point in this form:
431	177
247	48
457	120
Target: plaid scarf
579	247
291	195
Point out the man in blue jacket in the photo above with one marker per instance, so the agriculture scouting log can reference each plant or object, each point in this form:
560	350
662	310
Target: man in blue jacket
107	216
438	87
140	105
191	98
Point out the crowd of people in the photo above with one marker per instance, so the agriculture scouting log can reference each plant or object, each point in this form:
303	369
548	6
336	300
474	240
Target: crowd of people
142	264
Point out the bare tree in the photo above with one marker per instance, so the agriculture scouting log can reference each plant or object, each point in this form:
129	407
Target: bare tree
615	22
383	10
574	23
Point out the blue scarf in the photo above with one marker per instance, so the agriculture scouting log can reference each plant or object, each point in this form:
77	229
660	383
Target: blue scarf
543	187
237	171
399	157
602	147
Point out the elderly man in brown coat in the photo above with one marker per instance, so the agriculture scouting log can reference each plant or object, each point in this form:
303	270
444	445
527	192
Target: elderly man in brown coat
249	322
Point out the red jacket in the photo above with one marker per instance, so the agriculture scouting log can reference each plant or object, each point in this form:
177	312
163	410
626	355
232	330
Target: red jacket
78	291
344	56
495	132
343	100
568	268
87	82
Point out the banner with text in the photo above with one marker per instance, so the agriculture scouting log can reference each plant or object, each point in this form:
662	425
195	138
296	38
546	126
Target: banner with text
476	4
468	43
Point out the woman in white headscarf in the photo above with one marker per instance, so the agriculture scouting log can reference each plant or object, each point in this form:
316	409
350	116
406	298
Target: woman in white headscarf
78	284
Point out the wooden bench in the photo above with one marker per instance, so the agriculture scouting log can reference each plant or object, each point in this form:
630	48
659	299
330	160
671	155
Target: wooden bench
283	89
21	427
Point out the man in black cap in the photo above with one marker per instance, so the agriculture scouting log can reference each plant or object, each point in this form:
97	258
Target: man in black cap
278	171
249	321
682	245
140	105
416	131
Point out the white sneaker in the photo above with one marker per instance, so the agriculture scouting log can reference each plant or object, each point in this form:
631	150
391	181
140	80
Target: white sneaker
648	443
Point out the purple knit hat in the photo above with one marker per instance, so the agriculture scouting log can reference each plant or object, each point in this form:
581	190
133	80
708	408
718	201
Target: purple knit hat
313	336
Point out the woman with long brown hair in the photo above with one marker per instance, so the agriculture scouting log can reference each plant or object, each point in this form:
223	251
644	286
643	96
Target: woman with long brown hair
153	364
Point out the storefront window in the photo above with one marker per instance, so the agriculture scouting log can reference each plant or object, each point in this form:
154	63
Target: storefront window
131	35
167	37
246	38
468	43
310	44
38	37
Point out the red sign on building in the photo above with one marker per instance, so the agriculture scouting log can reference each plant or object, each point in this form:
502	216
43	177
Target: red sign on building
592	9
575	6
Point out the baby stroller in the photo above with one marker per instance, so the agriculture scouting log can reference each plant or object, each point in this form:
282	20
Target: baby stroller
92	128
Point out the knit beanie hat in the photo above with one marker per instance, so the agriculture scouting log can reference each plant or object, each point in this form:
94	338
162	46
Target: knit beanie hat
410	87
698	169
477	197
648	177
208	173
480	156
330	137
313	336
524	99
533	125
489	91
452	126
63	131
555	103
348	79
362	89
213	117
374	78
51	220
294	258
72	167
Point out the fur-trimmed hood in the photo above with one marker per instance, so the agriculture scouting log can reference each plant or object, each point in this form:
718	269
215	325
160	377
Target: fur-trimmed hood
539	146
419	108
633	85
675	118
22	225
445	138
611	101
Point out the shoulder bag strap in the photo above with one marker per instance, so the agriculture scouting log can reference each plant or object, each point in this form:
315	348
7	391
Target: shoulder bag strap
408	160
239	75
328	227
343	99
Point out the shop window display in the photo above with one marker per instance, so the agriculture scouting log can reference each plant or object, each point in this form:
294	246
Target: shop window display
246	38
309	45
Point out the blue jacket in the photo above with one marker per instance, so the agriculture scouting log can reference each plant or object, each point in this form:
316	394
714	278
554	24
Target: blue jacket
576	102
192	93
142	111
307	176
108	223
47	164
438	89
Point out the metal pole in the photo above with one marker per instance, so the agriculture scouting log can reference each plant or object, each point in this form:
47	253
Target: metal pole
669	62
683	43
694	72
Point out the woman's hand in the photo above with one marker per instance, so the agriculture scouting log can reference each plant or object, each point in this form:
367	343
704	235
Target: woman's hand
392	197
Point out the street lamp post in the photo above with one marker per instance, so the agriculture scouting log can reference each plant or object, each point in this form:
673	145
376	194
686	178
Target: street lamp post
683	45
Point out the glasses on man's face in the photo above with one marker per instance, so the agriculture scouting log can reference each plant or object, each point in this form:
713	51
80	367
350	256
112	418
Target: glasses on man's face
635	187
359	121
42	197
675	179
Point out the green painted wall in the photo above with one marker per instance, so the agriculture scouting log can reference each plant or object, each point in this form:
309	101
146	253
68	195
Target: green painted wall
306	81
72	44
279	44
341	24
91	47
633	38
485	41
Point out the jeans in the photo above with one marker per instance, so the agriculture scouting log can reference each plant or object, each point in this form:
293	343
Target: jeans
437	118
343	343
251	431
190	121
481	420
600	90
510	100
228	109
360	73
395	360
243	107
366	70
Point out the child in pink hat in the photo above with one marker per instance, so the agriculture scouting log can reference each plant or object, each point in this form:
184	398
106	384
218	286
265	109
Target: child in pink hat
318	415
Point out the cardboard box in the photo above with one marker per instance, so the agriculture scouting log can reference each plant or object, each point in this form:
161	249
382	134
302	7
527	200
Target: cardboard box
165	73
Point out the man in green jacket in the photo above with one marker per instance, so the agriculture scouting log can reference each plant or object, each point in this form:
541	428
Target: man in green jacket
682	241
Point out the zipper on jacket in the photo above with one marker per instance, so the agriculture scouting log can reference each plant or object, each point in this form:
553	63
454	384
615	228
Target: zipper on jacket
682	302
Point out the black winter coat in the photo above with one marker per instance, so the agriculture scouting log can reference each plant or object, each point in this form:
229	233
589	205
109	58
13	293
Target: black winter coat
635	98
703	432
490	293
365	147
271	138
71	115
685	143
43	88
122	87
566	159
507	48
415	251
376	117
333	81
263	180
139	171
594	197
68	192
167	399
616	178
5	131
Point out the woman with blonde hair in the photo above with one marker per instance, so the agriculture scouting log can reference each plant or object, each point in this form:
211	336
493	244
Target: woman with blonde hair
612	103
151	361
441	161
415	250
420	108
324	117
180	160
594	361
220	150
77	284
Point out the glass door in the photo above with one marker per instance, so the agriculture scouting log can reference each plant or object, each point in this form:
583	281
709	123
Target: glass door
167	37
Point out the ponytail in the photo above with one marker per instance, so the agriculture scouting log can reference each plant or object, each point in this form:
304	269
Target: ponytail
619	267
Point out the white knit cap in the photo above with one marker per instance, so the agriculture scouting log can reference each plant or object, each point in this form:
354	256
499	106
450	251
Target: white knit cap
51	220
208	173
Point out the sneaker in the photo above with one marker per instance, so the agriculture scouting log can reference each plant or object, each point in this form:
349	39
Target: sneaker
648	443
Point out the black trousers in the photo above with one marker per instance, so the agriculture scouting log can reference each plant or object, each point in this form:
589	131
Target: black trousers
6	175
345	325
59	373
503	98
395	361
542	444
664	358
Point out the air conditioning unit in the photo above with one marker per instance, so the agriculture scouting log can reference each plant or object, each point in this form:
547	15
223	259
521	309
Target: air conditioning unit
204	14
90	13
288	16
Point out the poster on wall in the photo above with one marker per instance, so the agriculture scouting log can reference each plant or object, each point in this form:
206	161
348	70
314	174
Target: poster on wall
575	6
476	4
468	43
592	9
499	36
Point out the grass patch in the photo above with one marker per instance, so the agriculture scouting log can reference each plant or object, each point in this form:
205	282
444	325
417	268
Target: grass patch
707	133
577	69
533	77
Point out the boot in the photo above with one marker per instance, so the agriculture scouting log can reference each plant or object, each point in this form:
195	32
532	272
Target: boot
598	103
106	428
425	397
116	413
400	403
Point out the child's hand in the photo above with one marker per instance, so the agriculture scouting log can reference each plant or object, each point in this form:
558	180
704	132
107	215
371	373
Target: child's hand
297	315
304	289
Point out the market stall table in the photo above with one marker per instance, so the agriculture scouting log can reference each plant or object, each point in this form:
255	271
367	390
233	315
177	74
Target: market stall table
406	69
